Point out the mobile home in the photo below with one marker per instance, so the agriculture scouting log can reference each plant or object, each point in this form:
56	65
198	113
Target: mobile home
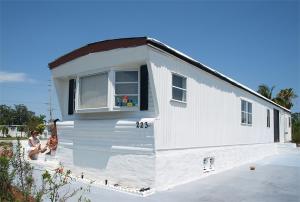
139	113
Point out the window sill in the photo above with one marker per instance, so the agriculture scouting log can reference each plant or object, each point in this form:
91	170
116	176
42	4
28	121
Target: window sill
130	109
245	124
182	102
92	110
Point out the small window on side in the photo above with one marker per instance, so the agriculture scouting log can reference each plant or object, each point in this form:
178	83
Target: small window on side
289	122
246	112
178	88
268	118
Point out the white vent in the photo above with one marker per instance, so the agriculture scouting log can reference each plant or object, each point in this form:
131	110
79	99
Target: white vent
208	164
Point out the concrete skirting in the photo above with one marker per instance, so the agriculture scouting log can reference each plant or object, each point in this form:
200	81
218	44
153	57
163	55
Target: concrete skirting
177	167
161	170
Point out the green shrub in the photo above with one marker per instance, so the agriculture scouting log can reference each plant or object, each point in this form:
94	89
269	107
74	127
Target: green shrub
296	133
296	127
17	182
5	180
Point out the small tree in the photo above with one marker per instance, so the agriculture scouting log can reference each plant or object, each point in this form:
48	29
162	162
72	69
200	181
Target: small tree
40	128
285	98
296	127
265	90
34	121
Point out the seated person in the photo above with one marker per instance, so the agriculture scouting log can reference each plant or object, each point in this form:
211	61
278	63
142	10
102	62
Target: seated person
34	146
53	140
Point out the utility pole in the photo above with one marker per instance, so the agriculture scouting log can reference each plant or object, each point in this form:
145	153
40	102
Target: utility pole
50	108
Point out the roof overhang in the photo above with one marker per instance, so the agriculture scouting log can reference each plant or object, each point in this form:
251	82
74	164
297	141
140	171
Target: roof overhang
140	41
98	47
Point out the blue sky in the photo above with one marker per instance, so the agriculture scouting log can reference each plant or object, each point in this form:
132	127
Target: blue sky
252	42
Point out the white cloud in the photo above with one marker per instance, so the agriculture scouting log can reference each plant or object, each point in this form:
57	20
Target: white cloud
14	77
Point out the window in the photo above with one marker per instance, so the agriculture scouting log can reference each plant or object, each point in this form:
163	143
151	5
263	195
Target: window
268	118
178	88
289	122
93	91
126	88
246	112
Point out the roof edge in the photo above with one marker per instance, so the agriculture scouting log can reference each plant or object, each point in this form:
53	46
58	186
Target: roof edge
207	69
98	47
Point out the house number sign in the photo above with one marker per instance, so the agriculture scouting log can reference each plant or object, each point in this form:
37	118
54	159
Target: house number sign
142	124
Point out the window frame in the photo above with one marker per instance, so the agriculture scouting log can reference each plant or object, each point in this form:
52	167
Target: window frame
179	88
110	91
268	118
246	112
125	108
78	91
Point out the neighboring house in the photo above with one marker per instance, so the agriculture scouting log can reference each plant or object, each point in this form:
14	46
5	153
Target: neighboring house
13	131
141	114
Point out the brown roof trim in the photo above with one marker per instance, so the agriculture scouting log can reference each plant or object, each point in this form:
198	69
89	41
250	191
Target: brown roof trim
98	47
139	41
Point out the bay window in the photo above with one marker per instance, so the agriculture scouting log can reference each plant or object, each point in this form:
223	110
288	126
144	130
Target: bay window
112	90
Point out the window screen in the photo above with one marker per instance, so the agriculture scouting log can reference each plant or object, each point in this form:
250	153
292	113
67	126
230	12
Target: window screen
93	91
178	88
246	112
126	88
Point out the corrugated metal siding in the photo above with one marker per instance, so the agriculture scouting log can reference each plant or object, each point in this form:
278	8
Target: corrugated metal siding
121	135
108	133
212	115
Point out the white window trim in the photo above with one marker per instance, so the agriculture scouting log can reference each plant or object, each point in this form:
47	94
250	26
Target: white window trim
110	91
246	112
186	95
125	108
77	101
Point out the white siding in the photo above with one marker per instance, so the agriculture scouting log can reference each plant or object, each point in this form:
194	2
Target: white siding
97	62
108	145
109	149
212	115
